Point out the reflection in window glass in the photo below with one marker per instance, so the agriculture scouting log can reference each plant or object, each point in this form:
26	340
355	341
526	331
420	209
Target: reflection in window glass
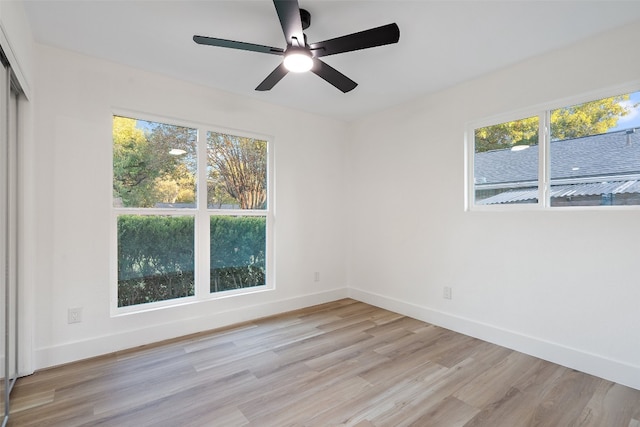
238	248
155	258
506	163
154	164
595	153
236	172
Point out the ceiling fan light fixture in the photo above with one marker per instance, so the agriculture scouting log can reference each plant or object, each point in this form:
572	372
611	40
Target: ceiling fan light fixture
298	56
298	60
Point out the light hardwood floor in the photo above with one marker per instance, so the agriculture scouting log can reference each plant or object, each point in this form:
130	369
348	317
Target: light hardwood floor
342	363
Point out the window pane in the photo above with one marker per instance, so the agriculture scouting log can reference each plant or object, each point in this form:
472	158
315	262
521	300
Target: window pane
506	163
154	164
238	247
236	172
595	153
155	258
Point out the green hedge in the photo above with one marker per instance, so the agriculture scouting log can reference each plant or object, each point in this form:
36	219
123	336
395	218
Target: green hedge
156	256
238	246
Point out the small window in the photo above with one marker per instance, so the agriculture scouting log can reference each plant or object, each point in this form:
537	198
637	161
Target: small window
587	155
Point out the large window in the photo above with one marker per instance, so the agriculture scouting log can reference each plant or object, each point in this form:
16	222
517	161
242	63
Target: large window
587	154
191	213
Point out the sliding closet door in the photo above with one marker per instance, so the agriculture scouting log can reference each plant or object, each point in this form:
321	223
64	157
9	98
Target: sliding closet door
4	167
9	95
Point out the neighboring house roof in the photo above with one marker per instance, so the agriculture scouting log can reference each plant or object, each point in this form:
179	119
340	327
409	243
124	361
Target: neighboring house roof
615	153
570	190
578	167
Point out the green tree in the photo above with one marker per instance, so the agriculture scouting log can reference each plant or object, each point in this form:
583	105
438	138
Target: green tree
576	121
590	118
159	164
238	170
177	186
133	178
506	135
153	166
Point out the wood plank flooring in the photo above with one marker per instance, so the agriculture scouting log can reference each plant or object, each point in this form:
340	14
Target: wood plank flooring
343	363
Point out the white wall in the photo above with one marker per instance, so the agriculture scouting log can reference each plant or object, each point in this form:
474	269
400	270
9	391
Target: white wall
75	97
559	285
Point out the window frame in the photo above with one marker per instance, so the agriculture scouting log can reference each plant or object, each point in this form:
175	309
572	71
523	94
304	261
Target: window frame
201	214
543	111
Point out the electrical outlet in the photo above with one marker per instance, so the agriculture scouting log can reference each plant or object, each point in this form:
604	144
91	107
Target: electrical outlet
316	276
74	315
446	292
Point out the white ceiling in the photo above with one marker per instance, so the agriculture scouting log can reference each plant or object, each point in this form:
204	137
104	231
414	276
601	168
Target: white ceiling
442	43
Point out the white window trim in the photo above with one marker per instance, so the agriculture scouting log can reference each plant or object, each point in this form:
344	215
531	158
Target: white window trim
201	217
543	111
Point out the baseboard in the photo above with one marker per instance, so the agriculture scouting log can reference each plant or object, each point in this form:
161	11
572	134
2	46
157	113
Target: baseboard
600	366
603	367
97	346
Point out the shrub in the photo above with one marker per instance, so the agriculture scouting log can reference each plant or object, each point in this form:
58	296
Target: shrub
238	246
156	256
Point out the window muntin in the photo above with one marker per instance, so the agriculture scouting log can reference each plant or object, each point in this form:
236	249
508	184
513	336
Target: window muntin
173	242
589	155
506	162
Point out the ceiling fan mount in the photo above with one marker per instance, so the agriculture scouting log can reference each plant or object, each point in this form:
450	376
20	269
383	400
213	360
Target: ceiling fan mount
300	56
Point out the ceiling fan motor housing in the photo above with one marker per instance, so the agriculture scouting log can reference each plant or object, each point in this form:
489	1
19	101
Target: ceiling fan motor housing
305	17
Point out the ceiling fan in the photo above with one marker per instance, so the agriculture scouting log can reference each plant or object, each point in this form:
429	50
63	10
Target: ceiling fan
299	56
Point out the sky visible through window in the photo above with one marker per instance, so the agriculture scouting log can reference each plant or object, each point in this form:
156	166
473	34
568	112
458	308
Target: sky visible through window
145	125
631	120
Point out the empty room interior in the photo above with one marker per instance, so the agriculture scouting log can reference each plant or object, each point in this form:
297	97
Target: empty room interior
432	222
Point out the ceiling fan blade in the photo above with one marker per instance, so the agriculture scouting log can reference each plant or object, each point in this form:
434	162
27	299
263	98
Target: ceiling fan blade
333	76
273	78
289	14
211	41
379	36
